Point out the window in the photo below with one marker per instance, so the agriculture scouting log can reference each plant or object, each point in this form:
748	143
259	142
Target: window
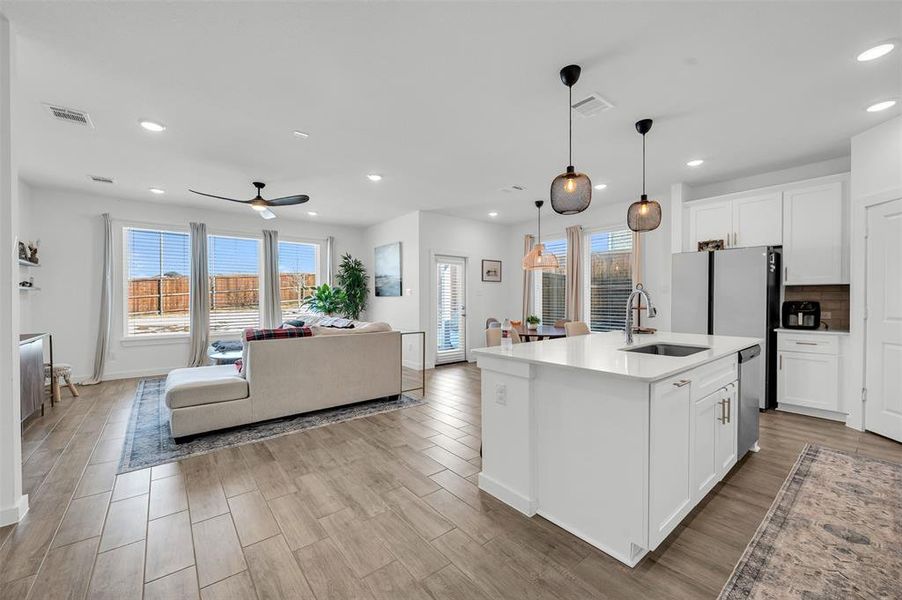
551	286
234	269
298	274
610	278
157	272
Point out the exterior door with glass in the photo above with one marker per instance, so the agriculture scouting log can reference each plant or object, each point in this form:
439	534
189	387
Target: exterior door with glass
450	309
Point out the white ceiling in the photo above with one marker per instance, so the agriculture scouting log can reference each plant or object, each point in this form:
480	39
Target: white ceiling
449	101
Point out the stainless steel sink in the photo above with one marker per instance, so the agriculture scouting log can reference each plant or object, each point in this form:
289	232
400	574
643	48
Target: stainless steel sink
667	349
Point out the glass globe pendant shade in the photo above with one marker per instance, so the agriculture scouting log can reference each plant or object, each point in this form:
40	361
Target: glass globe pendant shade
571	192
537	260
644	215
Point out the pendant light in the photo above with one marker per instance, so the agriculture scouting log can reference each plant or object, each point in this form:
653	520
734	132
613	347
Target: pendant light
571	192
644	215
536	259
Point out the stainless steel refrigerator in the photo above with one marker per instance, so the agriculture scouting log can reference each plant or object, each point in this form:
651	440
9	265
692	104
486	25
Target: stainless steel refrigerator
732	292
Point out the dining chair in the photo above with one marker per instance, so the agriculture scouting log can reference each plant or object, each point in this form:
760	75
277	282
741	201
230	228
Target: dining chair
493	337
574	328
560	323
492	322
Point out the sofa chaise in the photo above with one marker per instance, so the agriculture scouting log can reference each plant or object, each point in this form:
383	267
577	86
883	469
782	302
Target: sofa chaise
283	377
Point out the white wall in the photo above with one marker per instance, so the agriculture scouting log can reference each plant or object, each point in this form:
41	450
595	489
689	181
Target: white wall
833	166
70	229
475	241
400	312
876	178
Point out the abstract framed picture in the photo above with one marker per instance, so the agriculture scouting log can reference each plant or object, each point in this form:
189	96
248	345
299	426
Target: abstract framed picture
388	270
491	270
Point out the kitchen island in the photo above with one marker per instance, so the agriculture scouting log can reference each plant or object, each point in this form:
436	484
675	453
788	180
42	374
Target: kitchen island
614	443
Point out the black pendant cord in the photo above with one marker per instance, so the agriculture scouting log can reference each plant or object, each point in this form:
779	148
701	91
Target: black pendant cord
643	165
570	116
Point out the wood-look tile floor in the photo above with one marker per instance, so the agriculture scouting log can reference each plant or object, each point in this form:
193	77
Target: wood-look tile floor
384	507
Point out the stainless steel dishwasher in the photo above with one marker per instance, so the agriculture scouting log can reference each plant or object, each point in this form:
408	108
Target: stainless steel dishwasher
751	391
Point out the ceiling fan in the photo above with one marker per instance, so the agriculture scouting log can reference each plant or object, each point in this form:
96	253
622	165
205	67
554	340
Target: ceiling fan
260	204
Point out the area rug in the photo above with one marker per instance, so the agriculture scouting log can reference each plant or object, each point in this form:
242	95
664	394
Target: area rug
833	531
148	441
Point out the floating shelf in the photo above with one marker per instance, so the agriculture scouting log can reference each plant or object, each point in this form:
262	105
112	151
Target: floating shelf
28	263
24	288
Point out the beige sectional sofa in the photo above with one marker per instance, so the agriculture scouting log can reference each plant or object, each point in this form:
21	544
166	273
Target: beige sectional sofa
285	377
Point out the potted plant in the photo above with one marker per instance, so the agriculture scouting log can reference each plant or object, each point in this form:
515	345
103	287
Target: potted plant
326	300
353	280
532	321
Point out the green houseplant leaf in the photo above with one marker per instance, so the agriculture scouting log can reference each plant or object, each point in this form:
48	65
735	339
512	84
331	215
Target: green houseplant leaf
326	300
352	279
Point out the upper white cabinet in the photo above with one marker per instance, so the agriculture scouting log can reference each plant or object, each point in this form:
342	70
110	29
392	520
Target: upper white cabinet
753	220
813	239
757	220
710	221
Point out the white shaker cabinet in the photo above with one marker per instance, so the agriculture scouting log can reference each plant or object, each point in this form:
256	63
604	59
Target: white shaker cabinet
758	220
814	245
808	372
710	221
745	221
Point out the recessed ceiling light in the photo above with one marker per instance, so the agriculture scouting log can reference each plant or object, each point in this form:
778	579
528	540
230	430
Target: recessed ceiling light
301	134
312	213
881	106
157	191
876	52
601	186
374	177
695	162
152	126
493	214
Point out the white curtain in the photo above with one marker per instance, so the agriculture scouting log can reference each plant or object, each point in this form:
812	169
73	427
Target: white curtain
528	242
106	302
330	269
573	296
272	294
199	297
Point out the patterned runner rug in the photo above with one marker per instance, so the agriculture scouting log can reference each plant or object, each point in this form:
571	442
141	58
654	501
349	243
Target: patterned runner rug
833	531
148	441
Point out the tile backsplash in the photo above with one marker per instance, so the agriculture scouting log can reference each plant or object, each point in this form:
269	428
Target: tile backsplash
834	301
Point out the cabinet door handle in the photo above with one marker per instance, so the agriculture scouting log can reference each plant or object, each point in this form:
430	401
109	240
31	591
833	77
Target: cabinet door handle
682	382
781	362
723	411
735	237
806	343
729	409
785	273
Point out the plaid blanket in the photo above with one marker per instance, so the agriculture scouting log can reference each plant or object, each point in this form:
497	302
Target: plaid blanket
252	334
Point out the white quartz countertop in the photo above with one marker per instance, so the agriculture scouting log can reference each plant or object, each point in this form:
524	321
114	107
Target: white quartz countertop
812	331
603	353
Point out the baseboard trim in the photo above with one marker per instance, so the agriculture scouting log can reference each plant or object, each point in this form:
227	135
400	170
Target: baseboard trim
129	374
813	412
507	495
14	514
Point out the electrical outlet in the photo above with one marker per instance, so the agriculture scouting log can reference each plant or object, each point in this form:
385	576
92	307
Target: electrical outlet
501	394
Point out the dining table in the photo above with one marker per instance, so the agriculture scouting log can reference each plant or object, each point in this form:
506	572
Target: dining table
542	332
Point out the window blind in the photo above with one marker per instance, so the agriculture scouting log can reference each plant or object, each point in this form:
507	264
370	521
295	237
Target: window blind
157	270
449	322
298	275
610	278
554	284
234	270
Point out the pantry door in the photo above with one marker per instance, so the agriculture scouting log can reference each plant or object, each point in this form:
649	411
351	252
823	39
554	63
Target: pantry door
883	376
450	309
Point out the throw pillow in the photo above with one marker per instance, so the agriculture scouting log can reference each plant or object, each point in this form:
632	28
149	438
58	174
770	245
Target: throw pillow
292	323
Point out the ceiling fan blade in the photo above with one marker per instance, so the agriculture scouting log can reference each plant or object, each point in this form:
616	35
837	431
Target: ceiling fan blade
288	200
267	214
220	197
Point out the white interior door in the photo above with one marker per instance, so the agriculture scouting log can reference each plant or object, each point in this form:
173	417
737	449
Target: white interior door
883	376
450	309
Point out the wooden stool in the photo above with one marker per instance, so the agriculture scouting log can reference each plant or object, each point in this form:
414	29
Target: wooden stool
59	370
